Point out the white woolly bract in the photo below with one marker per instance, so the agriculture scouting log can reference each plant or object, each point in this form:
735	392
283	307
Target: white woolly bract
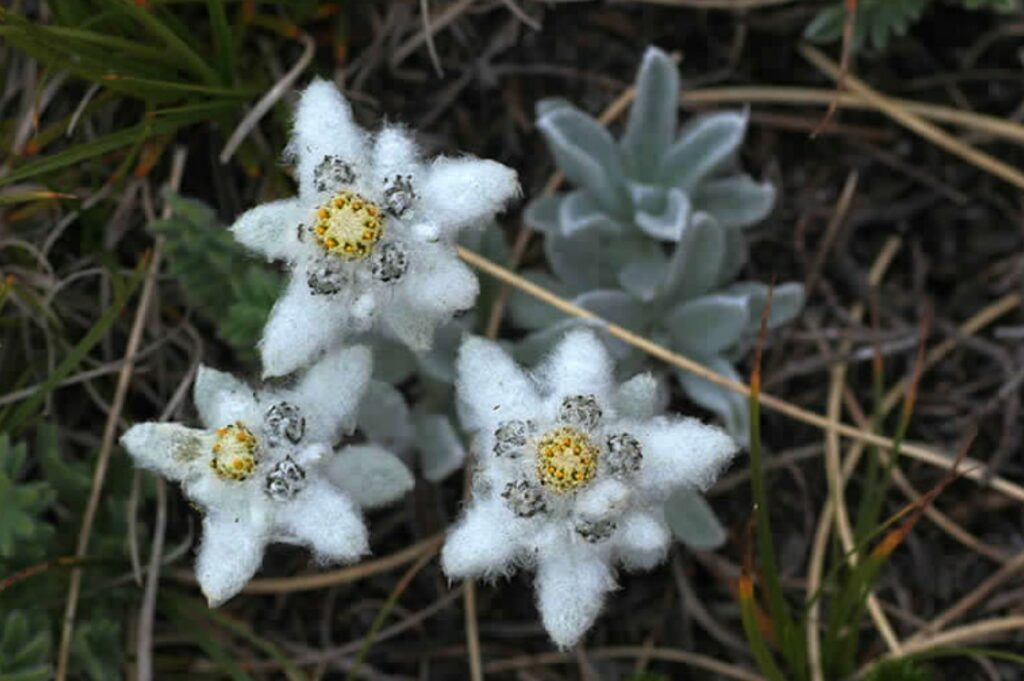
574	470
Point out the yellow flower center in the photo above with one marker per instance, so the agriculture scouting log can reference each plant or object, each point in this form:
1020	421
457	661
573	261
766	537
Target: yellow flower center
234	452
348	226
566	459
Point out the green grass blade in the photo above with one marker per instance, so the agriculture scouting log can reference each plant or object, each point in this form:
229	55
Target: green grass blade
222	40
158	125
185	620
758	646
244	631
169	38
26	410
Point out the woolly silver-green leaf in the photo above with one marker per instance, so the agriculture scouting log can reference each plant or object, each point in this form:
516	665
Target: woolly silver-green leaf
441	450
662	214
370	475
643	274
541	214
652	118
731	407
708	326
384	417
737	201
787	301
578	212
529	312
580	262
706	145
692	521
695	262
587	154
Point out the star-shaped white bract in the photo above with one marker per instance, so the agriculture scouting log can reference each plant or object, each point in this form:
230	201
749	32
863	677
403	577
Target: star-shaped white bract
255	470
573	471
370	239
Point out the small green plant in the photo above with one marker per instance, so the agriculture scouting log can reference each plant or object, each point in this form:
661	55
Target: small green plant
32	551
778	633
22	525
228	287
24	648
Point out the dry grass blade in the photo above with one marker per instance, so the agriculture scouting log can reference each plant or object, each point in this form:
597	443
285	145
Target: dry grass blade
450	14
100	471
268	100
915	123
733	5
976	470
954	612
801	96
345	575
967	633
696	660
844	66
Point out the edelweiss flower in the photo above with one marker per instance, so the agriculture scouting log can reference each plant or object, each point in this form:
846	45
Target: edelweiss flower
255	471
573	473
370	237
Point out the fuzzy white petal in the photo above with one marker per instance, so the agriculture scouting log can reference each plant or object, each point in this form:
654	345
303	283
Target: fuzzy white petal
408	325
642	541
571	586
327	521
490	386
301	326
174	451
329	392
324	127
229	556
604	499
463	192
210	491
486	542
579	364
394	153
222	399
434	290
444	284
272	229
370	475
681	451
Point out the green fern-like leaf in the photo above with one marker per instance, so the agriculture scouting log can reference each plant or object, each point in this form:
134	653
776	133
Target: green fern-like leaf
877	21
96	649
22	530
24	648
224	283
992	5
